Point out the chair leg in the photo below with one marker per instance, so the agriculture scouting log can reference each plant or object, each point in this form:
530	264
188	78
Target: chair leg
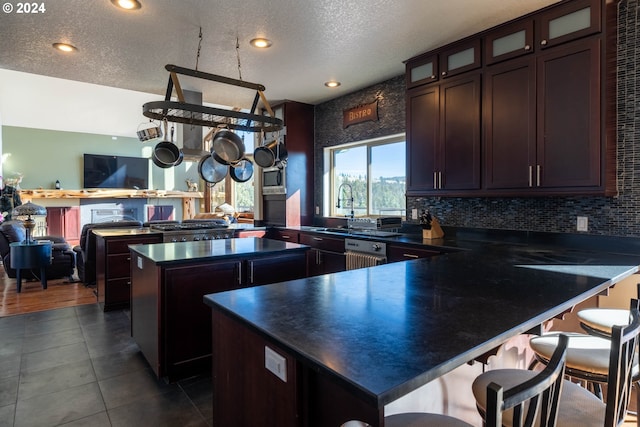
637	387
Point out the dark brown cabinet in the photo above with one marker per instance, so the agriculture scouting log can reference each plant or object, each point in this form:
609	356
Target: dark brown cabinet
113	274
569	21
460	58
170	322
547	121
422	70
283	235
296	206
65	222
443	144
568	130
326	254
509	123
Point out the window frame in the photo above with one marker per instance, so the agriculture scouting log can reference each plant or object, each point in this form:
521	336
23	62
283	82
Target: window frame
329	196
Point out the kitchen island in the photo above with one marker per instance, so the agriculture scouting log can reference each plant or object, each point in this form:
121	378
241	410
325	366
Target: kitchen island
350	343
168	281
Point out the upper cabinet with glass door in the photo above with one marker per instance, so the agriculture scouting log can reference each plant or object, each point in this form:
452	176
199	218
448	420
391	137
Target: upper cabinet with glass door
421	70
509	42
567	22
460	58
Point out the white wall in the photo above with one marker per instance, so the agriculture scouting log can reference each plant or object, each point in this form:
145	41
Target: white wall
39	102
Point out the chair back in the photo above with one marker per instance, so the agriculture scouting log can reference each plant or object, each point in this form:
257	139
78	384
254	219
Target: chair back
533	400
624	345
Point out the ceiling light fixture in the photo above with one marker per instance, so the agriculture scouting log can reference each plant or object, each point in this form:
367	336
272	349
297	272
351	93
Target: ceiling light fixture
332	84
65	47
260	43
127	4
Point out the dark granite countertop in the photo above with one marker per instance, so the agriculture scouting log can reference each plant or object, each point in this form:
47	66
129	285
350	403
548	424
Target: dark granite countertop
182	252
385	331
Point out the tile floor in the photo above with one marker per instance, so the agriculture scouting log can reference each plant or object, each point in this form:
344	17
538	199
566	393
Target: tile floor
79	366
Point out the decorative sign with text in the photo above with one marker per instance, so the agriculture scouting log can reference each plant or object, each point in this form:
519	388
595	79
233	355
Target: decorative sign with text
359	114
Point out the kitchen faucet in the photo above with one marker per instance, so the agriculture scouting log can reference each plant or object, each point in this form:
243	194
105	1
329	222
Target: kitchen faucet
349	199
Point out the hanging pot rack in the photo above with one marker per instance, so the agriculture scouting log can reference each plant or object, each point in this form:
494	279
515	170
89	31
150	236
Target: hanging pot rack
200	115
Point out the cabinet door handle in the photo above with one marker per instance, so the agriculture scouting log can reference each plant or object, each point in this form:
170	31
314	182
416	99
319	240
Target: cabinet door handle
433	76
284	236
444	73
440	180
410	256
129	259
319	239
239	266
251	273
530	176
537	175
543	42
435	180
527	47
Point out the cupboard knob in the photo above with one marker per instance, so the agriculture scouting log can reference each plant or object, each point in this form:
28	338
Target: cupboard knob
543	42
444	73
527	47
433	76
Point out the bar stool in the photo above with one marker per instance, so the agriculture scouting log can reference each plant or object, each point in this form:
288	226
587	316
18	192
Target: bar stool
578	406
599	321
521	403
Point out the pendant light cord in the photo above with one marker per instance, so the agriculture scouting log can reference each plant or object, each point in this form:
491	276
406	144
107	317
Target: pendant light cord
238	56
199	46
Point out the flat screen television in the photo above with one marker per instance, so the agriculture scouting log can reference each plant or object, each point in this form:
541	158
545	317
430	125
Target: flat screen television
105	171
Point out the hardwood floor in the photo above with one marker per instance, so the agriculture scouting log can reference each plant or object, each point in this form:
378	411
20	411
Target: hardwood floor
59	293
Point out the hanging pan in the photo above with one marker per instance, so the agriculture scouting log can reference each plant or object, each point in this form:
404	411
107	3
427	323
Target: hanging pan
241	171
268	155
166	154
211	171
228	146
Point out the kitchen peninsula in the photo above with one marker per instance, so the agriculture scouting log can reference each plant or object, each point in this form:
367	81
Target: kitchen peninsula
168	280
350	343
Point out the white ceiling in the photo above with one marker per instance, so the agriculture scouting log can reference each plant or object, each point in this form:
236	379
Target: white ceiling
357	43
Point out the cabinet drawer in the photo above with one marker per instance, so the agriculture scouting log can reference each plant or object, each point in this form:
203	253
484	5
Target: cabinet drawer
118	266
284	235
118	291
122	246
322	242
405	253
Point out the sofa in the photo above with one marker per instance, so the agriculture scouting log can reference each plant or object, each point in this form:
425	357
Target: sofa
86	250
63	258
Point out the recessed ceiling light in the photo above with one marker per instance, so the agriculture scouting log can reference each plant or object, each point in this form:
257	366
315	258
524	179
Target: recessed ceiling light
332	83
261	43
65	47
127	4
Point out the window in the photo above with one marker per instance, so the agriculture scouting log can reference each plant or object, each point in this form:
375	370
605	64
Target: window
366	178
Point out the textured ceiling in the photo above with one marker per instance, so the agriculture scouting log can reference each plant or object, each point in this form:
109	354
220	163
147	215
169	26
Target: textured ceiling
356	43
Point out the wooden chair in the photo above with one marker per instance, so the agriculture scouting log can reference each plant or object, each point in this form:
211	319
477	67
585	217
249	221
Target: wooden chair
578	406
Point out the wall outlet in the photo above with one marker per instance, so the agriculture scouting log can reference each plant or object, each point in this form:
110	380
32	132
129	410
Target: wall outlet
275	363
317	210
583	223
414	213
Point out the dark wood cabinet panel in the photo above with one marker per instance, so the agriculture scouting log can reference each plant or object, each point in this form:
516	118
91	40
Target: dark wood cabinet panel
276	269
186	322
65	222
443	143
326	256
239	375
509	119
113	267
569	133
423	110
283	235
460	133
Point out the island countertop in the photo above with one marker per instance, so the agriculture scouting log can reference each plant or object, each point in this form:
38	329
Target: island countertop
179	252
385	331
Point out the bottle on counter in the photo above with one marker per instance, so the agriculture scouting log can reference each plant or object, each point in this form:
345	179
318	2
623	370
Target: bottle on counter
57	184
